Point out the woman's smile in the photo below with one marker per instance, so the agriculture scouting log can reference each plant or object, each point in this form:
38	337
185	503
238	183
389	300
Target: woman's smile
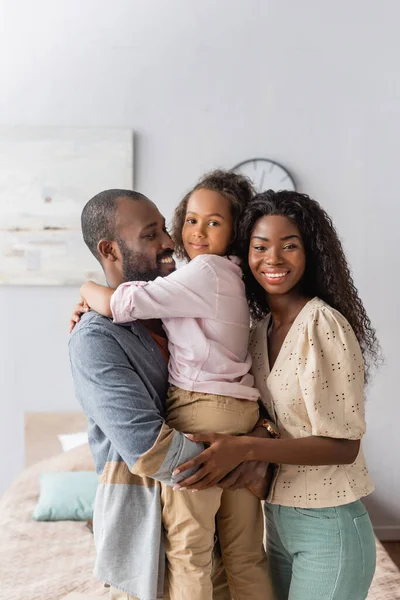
275	277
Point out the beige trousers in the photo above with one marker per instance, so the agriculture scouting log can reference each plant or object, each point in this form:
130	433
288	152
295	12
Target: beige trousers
218	576
189	518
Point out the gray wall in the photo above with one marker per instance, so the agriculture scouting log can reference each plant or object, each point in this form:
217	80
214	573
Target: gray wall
315	85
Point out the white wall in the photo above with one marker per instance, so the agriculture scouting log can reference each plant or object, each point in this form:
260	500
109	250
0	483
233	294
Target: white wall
313	84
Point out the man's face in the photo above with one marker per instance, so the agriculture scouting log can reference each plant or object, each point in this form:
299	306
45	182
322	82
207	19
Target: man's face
143	244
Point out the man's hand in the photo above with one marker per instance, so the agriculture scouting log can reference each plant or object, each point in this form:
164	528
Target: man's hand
254	475
251	475
262	487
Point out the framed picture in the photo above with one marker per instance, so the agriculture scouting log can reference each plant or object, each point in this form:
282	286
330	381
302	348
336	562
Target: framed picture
47	174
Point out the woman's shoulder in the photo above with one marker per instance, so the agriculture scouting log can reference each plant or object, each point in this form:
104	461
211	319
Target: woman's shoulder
329	341
258	330
260	325
329	327
322	314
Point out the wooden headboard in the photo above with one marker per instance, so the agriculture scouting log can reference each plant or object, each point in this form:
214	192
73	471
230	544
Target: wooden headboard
41	430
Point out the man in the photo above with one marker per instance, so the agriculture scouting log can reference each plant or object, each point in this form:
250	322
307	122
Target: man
121	378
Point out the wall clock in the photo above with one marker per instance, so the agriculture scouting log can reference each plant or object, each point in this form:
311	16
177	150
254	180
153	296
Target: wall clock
266	174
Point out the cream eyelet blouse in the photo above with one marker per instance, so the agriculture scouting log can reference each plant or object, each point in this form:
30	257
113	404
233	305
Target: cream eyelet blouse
316	387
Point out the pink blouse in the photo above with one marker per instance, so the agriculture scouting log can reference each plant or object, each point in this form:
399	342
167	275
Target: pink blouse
205	315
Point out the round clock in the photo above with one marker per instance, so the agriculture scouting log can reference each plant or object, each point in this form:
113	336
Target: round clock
266	174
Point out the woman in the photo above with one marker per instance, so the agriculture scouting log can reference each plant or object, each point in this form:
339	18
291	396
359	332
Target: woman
310	346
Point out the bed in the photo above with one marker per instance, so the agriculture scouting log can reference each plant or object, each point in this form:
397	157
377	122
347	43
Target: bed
49	560
44	560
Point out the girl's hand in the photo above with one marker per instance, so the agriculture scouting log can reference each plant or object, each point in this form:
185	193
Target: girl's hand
98	297
79	310
224	454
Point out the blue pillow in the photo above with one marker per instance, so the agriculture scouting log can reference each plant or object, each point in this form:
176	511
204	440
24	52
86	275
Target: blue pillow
66	496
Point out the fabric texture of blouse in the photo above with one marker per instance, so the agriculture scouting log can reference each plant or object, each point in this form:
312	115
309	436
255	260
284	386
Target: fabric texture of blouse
205	314
316	387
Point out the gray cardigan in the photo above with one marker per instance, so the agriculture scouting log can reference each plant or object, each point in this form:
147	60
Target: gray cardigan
120	379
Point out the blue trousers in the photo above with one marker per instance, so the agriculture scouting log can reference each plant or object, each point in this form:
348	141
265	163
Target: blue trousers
320	553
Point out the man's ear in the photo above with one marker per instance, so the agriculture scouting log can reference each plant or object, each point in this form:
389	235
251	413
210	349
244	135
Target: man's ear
108	250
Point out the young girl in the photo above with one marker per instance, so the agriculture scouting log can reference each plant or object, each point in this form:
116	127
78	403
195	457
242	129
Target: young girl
309	351
206	317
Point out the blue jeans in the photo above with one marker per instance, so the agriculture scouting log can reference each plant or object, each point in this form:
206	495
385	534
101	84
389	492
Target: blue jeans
320	553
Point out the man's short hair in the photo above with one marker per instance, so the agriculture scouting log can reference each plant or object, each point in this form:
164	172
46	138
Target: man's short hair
98	217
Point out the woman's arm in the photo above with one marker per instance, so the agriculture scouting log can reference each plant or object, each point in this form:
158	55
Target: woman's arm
333	394
98	297
227	451
310	450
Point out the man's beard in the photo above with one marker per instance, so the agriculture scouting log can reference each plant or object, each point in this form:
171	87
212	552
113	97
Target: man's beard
136	266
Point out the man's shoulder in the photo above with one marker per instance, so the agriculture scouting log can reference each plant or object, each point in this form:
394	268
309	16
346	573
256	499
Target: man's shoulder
92	321
93	326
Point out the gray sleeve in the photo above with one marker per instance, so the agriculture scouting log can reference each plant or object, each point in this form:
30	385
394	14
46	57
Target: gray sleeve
113	395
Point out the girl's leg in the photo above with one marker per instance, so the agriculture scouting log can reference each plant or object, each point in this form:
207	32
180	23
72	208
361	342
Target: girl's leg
189	519
218	576
333	552
240	530
189	522
279	560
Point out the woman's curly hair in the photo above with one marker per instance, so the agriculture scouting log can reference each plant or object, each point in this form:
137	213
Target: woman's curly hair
236	188
327	273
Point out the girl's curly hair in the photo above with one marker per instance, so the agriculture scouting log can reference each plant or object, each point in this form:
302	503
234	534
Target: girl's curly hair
236	188
327	274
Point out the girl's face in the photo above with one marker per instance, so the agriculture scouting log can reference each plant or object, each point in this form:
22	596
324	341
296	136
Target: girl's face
277	257
208	224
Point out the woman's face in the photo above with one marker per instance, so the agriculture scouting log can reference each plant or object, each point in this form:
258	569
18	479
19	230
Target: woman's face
277	257
208	224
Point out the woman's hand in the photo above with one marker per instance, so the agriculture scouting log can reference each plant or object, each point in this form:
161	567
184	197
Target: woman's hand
79	309
250	474
224	454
